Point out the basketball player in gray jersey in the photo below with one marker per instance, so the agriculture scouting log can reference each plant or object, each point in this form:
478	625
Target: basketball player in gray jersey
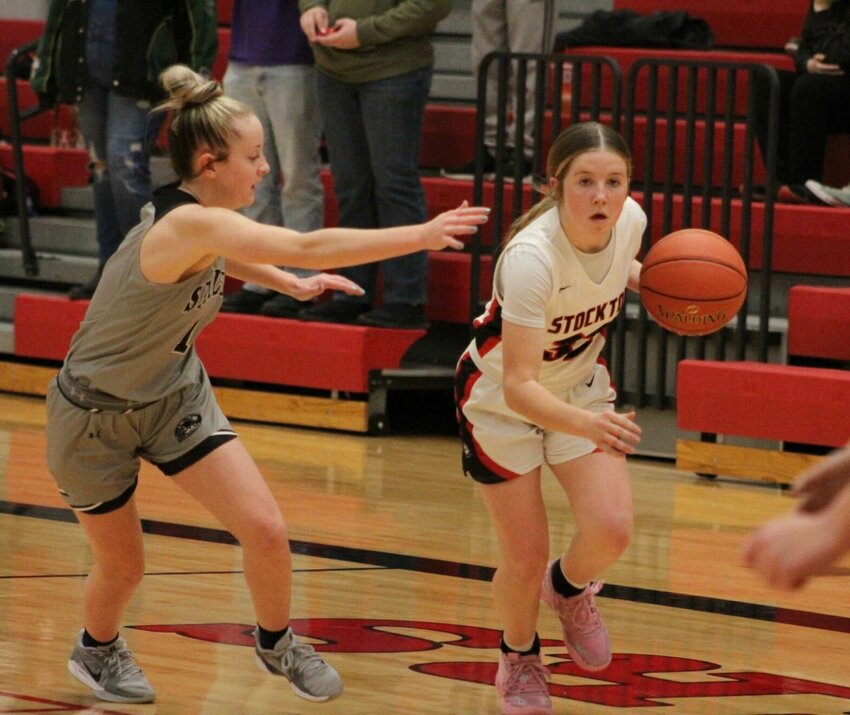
133	387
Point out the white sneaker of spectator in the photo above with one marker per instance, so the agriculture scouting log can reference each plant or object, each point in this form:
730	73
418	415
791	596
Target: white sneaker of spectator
828	194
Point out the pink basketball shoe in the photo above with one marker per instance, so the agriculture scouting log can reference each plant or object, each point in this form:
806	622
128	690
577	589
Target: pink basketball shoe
584	633
521	684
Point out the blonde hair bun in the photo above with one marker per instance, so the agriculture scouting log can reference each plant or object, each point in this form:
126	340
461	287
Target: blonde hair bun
186	87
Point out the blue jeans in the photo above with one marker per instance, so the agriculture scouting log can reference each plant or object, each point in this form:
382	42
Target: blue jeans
118	134
284	100
373	133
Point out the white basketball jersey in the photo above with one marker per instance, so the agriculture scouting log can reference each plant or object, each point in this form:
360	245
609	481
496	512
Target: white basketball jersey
540	282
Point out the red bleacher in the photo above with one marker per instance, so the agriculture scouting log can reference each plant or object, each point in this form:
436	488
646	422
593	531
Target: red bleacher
818	323
787	403
52	168
220	64
41	126
743	23
240	347
14	33
774	402
224	8
806	240
626	57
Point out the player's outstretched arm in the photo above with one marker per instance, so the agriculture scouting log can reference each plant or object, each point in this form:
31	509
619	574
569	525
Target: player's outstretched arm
788	551
192	234
820	484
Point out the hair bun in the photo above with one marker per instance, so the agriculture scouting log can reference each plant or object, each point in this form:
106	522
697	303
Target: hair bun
186	87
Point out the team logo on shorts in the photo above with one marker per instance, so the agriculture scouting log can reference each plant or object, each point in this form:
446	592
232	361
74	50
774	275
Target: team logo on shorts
187	426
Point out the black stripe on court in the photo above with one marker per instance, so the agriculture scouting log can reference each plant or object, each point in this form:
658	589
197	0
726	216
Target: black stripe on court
704	604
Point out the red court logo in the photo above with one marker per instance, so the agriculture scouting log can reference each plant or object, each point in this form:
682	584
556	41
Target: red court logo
633	680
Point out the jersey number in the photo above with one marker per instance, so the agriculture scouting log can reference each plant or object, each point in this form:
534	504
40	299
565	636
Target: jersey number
186	341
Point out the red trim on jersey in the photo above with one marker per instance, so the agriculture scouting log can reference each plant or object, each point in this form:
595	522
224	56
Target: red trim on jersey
490	322
602	361
469	427
506	474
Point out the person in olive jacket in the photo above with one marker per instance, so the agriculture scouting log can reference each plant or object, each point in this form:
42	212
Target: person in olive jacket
374	64
105	57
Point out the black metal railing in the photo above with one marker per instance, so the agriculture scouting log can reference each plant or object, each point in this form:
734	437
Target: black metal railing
687	103
16	59
594	90
674	111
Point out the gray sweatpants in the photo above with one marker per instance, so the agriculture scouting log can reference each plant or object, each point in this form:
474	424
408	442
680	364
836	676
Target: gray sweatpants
511	26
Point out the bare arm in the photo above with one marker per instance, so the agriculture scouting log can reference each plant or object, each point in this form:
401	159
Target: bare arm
787	551
819	485
191	236
285	282
522	347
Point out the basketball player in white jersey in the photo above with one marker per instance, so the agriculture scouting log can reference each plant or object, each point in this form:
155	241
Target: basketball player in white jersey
531	389
133	387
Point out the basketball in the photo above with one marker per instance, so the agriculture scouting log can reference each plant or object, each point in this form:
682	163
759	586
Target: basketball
693	282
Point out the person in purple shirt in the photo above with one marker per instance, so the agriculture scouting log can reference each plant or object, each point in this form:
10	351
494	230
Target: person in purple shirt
270	68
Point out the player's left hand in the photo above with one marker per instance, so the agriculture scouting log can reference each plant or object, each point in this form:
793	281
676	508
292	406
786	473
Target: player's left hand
614	433
311	286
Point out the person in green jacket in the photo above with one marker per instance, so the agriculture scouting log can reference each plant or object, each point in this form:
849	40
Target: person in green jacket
105	57
374	64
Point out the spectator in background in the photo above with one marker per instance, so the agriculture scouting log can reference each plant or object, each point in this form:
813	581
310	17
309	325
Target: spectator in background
814	100
374	64
508	26
788	551
105	57
271	70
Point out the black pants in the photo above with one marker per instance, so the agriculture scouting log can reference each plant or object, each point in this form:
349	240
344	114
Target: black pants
811	107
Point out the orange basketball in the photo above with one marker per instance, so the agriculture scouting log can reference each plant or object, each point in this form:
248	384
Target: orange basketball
693	282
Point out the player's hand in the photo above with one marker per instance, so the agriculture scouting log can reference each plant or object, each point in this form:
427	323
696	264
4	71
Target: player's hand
311	286
440	231
614	433
342	36
819	485
314	22
787	551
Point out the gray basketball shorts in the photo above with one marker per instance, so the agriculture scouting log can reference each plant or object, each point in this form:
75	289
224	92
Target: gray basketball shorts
95	456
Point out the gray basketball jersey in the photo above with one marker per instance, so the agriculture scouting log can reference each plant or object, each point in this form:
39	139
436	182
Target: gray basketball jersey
137	340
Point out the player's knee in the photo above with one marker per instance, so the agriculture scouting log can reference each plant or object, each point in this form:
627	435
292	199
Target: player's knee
268	535
614	533
129	573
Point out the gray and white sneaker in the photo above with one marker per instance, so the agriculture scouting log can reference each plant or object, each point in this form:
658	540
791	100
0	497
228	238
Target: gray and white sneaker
111	672
828	194
308	674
